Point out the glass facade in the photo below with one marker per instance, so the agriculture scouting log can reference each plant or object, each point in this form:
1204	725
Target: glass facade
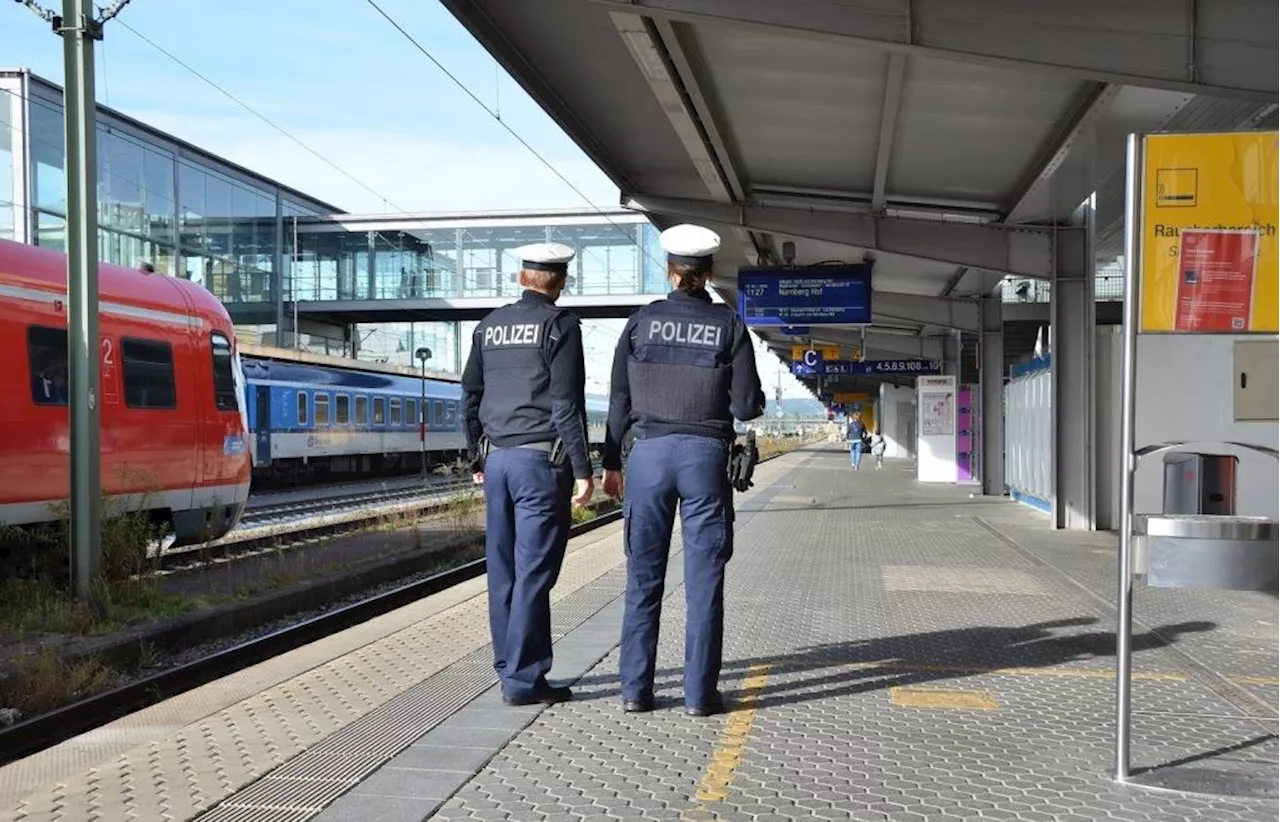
396	343
159	201
8	182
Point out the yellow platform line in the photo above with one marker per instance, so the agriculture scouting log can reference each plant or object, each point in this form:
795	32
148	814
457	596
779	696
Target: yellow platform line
1078	673
945	698
725	759
1245	679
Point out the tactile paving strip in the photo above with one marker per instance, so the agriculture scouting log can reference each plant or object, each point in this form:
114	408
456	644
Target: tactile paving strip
319	775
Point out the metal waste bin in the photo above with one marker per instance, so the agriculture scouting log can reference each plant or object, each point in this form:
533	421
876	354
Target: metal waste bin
1209	551
1200	484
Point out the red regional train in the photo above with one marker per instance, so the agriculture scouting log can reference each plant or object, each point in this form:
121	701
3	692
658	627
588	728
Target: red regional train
172	408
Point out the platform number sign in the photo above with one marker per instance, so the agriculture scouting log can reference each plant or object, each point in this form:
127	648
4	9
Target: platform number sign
110	396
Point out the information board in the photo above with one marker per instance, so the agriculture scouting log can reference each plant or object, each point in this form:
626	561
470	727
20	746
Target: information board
817	295
815	365
1209	222
936	429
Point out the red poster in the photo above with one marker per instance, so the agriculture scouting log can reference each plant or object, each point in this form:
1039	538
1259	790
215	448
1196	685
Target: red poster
1215	280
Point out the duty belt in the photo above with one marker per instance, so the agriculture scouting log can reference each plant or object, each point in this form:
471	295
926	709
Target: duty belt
532	446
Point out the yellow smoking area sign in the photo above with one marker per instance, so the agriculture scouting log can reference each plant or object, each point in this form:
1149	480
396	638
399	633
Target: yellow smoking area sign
1176	187
1209	244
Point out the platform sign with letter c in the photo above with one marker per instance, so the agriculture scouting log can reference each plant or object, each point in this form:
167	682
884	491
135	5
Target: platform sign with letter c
804	353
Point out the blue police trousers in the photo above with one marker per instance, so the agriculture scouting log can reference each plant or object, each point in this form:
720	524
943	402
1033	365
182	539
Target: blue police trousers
527	521
661	472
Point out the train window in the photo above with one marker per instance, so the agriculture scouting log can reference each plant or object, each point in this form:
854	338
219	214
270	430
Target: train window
395	410
437	412
224	380
342	411
148	373
322	409
450	414
379	411
362	410
411	412
47	356
302	408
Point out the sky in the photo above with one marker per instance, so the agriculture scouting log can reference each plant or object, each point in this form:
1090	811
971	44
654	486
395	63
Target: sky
338	78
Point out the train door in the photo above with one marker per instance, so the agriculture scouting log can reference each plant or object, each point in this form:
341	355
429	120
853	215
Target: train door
262	416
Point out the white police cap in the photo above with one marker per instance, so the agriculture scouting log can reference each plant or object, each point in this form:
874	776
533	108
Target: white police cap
545	257
689	244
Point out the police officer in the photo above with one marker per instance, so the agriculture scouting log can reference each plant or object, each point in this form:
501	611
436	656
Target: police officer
524	403
683	370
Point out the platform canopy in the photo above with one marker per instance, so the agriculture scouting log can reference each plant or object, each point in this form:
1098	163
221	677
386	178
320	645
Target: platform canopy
941	138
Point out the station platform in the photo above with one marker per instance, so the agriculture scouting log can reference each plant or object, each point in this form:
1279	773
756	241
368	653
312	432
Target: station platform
893	651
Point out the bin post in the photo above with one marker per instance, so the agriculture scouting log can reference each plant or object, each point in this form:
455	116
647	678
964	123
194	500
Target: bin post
1128	385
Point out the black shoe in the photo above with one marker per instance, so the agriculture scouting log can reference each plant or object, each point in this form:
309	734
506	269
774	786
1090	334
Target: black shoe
550	696
712	706
638	706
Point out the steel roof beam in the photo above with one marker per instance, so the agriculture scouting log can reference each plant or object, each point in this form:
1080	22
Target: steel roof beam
943	312
888	125
953	281
703	110
1086	110
655	64
666	66
1024	251
1238	60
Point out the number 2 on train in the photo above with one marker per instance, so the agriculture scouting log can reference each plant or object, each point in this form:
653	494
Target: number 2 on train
110	392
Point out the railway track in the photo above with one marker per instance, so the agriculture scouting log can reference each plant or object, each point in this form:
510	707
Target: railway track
287	525
283	512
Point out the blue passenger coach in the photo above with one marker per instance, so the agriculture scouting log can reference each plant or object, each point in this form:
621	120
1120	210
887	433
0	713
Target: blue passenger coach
312	421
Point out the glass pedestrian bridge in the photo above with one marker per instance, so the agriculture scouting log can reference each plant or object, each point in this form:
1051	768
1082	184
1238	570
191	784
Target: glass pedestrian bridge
355	267
379	286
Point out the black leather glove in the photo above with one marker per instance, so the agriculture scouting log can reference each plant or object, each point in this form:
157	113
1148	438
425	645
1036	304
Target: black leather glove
742	463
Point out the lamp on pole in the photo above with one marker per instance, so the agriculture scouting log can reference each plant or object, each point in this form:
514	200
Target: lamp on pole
423	354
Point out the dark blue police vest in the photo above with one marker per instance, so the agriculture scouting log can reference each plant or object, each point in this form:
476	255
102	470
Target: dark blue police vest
515	343
680	367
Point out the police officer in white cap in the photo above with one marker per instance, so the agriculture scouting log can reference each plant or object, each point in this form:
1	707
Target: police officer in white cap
526	424
683	371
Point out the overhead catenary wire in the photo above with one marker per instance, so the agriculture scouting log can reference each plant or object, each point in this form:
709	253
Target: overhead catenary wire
260	116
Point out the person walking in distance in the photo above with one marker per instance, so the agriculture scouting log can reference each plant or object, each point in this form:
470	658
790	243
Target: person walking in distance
526	425
855	432
683	370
